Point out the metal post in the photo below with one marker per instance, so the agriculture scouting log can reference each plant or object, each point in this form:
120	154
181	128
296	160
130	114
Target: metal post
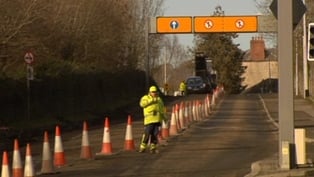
165	69
269	76
286	106
28	92
296	67
305	67
147	55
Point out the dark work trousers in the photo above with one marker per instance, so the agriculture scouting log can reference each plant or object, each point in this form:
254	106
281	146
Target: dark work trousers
151	130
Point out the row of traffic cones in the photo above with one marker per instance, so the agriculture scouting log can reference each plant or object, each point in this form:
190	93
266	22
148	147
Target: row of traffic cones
180	118
182	114
17	170
47	164
186	112
129	144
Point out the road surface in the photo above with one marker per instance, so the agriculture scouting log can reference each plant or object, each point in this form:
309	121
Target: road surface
223	144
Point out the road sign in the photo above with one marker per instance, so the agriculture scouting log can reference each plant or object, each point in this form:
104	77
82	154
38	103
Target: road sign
297	12
208	24
174	24
29	58
240	24
203	24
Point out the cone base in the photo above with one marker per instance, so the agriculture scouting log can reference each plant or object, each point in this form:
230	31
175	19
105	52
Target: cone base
86	153
59	159
17	172
129	145
106	148
47	167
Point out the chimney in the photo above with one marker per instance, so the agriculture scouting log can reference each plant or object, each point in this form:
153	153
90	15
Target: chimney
257	49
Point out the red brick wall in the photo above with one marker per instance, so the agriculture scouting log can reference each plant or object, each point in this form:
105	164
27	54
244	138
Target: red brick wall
257	49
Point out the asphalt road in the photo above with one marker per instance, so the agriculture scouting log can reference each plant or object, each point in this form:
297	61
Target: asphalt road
224	144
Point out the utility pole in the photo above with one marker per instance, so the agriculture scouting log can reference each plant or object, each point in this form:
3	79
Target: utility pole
305	67
286	98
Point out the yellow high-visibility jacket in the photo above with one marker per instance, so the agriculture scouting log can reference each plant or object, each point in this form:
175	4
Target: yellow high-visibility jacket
182	87
153	109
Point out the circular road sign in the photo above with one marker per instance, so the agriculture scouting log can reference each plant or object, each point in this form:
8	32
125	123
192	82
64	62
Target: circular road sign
239	24
29	58
209	24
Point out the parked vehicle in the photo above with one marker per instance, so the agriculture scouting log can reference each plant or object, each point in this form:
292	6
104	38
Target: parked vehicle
195	84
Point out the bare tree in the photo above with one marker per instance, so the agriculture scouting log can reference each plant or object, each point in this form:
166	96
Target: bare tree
172	55
263	7
84	34
15	17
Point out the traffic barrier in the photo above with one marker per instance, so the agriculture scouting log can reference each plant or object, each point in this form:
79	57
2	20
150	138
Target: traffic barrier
173	124
59	156
206	112
181	116
208	103
178	123
129	142
5	172
164	129
201	110
106	146
29	170
195	112
86	150
213	102
17	169
47	165
191	111
186	114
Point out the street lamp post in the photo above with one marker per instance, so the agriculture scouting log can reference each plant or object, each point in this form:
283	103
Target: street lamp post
269	76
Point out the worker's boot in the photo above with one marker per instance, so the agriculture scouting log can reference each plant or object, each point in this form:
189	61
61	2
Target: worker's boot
153	149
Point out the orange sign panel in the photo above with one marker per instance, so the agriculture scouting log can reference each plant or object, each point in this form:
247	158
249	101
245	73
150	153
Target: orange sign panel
237	24
208	24
240	24
174	24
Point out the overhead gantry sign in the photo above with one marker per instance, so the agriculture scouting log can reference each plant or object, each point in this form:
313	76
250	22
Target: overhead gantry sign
212	24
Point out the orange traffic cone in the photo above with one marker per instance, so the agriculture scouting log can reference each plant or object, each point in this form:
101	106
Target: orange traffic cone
106	146
59	156
173	124
164	129
181	116
129	142
17	170
5	172
47	166
213	102
177	117
29	170
86	151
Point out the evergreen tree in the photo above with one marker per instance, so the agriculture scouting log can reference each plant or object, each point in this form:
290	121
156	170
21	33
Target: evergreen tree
225	55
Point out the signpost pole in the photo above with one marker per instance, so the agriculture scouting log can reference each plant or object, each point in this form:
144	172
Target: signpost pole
28	91
286	107
305	67
29	59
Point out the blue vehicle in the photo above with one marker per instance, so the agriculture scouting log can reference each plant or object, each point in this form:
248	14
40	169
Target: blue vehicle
195	84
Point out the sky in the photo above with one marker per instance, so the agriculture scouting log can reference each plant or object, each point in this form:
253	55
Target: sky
206	8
